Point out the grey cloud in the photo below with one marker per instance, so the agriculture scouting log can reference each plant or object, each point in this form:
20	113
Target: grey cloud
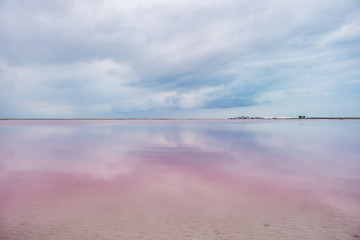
173	52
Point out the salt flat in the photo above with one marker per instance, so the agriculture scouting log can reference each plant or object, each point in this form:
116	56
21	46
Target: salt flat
179	180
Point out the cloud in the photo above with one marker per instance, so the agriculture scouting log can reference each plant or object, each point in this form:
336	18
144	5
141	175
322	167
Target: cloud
110	58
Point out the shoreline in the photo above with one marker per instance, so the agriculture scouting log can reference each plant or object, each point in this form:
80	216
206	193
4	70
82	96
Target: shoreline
195	119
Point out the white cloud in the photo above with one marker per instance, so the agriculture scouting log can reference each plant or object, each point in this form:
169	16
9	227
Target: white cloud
108	57
345	33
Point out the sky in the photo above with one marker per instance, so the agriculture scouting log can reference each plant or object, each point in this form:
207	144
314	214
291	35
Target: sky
174	59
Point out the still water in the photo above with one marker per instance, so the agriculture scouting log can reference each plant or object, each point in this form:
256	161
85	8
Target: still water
179	179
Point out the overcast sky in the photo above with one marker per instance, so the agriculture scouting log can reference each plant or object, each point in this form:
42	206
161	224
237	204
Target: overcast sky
188	58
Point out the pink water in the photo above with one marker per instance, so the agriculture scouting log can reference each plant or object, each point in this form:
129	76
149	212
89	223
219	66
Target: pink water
177	179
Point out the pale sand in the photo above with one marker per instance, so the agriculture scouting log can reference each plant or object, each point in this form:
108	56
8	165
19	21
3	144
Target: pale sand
169	203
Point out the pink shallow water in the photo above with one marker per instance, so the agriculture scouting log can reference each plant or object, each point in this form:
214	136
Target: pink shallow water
179	179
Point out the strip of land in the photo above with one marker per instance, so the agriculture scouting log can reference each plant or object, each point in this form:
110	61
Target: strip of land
232	118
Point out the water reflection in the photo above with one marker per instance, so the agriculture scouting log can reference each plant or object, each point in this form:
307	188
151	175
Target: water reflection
164	159
286	147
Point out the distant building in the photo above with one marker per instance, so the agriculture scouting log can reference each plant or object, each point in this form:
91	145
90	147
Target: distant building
245	117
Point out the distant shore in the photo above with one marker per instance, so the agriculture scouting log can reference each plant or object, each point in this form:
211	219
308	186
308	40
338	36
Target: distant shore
292	118
235	118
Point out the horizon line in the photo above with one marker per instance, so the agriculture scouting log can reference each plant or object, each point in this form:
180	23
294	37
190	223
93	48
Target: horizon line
230	118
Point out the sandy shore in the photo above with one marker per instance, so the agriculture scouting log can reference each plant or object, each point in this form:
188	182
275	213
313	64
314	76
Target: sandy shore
167	202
